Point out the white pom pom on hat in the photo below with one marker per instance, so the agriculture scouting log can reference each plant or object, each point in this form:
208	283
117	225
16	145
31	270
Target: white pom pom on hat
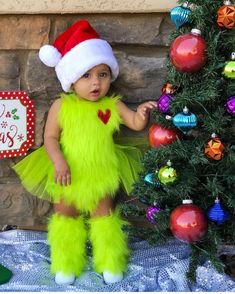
76	51
49	55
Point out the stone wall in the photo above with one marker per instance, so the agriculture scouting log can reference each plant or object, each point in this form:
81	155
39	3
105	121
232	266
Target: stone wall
84	6
140	42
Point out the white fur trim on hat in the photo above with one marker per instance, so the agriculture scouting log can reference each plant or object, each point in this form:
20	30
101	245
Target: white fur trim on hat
49	55
82	58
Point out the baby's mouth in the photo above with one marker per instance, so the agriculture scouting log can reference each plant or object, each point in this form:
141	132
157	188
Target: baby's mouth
96	91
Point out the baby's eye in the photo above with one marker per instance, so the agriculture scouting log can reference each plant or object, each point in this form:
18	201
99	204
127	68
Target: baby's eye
103	74
86	75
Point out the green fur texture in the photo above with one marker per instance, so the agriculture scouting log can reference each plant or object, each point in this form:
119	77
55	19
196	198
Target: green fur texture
88	147
109	243
98	166
67	238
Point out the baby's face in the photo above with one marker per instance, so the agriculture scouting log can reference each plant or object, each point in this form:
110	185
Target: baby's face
94	84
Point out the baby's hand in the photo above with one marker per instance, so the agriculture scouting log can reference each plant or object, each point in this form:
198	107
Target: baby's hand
62	172
144	108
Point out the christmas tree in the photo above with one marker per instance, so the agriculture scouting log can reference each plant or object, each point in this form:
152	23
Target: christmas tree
191	157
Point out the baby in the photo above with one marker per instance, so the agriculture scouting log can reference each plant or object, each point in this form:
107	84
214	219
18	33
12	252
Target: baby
80	168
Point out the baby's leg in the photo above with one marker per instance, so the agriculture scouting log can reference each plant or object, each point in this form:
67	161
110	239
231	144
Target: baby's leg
104	208
66	237
109	243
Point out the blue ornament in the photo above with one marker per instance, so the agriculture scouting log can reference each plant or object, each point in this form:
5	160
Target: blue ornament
144	199
217	214
180	15
185	120
151	179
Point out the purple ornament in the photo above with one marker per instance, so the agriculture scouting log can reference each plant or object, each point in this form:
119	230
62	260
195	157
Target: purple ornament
151	211
230	105
164	102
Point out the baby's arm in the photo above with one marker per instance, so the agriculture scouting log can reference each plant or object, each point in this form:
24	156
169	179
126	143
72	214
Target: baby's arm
136	120
51	142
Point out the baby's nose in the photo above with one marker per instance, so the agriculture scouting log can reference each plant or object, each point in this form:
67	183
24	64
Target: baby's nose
95	80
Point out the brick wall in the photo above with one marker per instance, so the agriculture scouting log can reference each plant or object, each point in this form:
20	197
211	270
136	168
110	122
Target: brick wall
140	42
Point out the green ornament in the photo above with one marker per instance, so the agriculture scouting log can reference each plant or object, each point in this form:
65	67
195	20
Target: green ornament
167	174
5	274
229	69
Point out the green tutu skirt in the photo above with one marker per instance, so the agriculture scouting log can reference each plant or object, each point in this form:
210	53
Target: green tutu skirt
36	173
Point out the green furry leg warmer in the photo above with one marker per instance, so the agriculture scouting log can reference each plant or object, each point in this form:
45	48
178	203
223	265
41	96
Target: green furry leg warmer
67	238
109	243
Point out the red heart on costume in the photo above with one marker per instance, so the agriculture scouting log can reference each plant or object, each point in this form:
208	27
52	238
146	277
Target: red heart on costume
104	116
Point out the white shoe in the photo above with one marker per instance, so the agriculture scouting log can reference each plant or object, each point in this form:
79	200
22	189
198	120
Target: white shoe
62	279
112	278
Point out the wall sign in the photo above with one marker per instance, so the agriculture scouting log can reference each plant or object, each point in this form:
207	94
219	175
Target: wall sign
17	121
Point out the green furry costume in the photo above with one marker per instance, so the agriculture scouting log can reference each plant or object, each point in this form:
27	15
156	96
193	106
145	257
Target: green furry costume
98	166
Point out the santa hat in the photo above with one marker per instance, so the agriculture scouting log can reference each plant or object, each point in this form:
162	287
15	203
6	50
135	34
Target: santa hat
76	51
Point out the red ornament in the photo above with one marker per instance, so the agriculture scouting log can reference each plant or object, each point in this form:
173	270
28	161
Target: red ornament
188	222
159	136
188	52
